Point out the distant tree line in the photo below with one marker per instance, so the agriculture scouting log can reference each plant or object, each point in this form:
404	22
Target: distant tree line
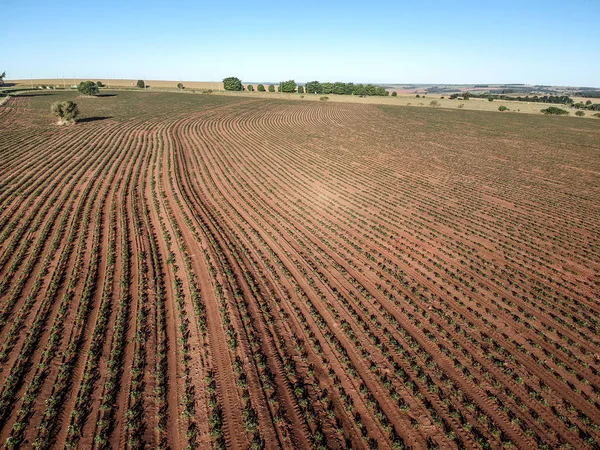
312	87
317	87
589	94
587	105
556	99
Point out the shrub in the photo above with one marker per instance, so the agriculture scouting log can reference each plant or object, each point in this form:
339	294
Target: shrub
434	103
580	114
87	88
553	110
99	84
250	88
417	96
502	108
260	88
66	111
461	106
180	86
490	99
232	84
141	84
300	89
394	94
271	88
324	98
589	102
596	115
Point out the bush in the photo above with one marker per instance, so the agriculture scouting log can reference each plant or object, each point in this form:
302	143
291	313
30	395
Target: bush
250	88
553	110
596	115
580	114
66	111
434	103
324	98
300	89
99	84
490	99
394	94
417	96
232	84
141	84
502	108
260	88
87	88
271	88
180	86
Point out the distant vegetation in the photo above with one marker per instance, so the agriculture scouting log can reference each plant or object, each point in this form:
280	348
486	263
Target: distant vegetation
66	111
250	88
553	110
87	88
2	77
590	94
141	84
180	86
232	84
316	87
558	99
260	88
99	84
502	108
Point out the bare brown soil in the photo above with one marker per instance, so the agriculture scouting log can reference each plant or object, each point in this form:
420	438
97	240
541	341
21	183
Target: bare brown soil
244	273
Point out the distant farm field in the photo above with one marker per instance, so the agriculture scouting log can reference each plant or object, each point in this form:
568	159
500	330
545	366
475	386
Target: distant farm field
237	272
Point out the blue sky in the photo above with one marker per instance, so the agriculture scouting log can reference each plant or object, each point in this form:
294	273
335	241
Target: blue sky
423	41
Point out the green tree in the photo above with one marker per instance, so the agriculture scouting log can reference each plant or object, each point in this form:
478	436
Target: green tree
300	89
589	102
313	87
288	86
250	88
141	84
490	99
87	88
180	86
394	94
99	84
553	110
339	88
2	77
502	108
271	88
260	88
232	84
66	111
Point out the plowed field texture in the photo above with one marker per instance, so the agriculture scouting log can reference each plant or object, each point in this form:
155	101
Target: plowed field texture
197	271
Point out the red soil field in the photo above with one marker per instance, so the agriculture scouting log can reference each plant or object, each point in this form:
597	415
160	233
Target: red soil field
209	272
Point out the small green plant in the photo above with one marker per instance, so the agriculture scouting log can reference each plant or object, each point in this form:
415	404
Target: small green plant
141	84
490	99
580	114
553	110
250	88
66	111
394	94
502	108
324	98
596	115
87	88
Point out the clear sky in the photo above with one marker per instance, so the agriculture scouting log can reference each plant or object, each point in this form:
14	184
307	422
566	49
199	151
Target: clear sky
418	41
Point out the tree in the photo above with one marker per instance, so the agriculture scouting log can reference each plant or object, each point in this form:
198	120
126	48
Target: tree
2	77
260	88
288	86
502	108
87	88
250	88
232	84
589	102
580	114
490	99
99	84
313	87
141	84
394	94
66	111
300	89
180	86
271	88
